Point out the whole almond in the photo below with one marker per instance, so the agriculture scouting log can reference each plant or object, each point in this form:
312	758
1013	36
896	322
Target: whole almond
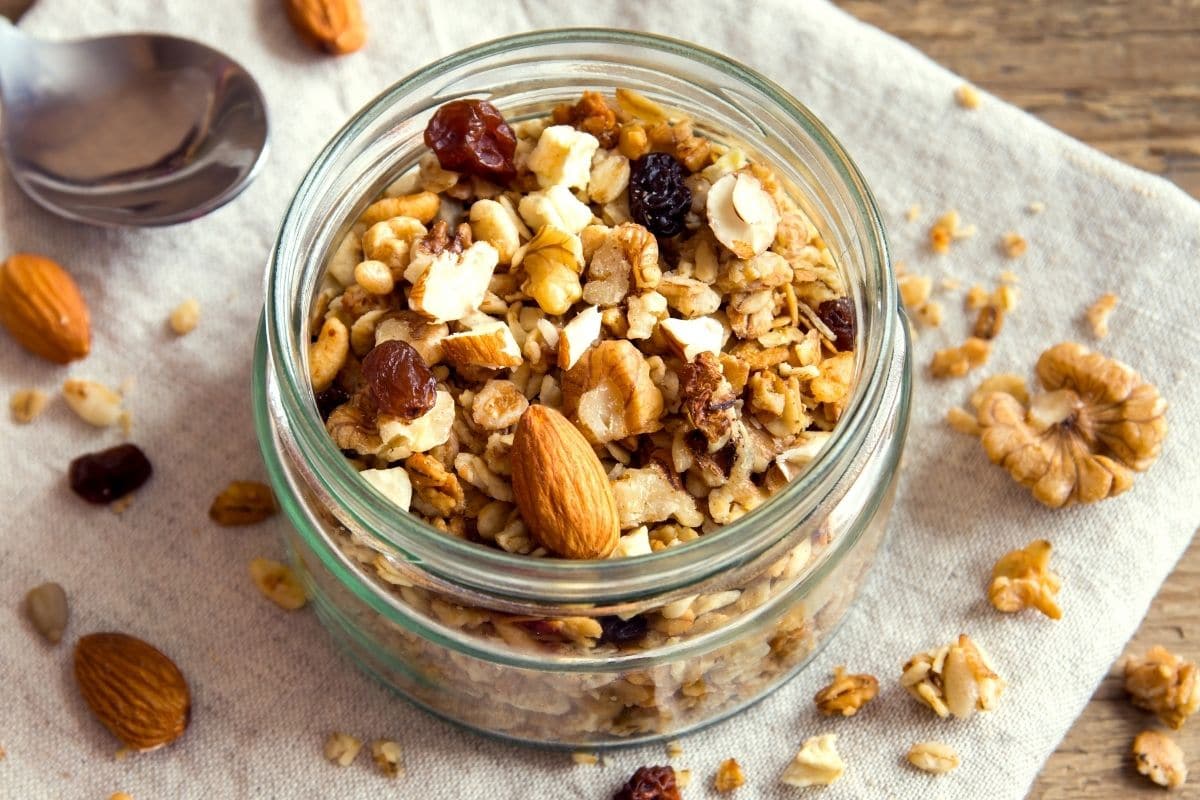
133	689
561	488
332	26
42	308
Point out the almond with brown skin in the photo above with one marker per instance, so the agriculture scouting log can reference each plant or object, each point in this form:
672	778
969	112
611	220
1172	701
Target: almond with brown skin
42	308
332	26
561	488
133	689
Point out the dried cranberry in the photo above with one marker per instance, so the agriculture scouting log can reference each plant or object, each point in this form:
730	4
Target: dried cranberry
650	783
838	315
399	380
109	474
330	399
658	198
614	630
471	136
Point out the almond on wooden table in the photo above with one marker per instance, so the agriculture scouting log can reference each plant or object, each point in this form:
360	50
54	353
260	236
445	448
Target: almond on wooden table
561	488
332	26
133	689
43	309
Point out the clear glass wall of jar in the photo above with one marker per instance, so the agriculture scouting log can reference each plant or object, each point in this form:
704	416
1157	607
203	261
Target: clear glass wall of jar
590	652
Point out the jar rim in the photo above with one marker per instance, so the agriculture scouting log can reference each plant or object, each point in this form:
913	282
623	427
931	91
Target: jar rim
558	580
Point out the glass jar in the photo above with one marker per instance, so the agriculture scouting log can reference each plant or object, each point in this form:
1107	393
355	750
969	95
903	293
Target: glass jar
585	653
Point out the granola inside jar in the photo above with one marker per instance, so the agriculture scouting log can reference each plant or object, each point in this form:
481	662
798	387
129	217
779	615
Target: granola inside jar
677	269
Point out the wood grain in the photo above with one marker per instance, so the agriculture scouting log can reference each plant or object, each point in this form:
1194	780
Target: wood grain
1123	76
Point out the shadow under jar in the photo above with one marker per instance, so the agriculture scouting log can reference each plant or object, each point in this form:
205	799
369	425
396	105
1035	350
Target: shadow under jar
482	637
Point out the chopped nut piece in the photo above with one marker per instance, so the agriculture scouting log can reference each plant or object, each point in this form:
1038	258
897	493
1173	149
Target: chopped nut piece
933	757
954	362
1099	312
988	323
243	503
914	289
585	758
967	96
555	207
278	583
1164	683
931	314
846	694
342	749
438	490
499	404
962	421
674	748
1083	439
26	405
610	394
955	679
817	763
563	157
946	229
408	326
185	317
394	484
495	224
490	345
691	337
1014	245
391	242
976	298
386	755
94	403
451	285
647	495
836	375
729	776
707	398
742	215
1022	579
577	336
552	260
402	438
1158	758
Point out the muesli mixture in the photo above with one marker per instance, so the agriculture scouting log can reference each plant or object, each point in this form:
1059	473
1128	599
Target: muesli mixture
657	289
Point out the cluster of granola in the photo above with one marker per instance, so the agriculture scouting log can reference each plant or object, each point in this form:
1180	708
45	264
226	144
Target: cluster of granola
659	289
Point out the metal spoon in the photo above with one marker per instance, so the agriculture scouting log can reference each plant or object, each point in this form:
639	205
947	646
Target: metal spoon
139	129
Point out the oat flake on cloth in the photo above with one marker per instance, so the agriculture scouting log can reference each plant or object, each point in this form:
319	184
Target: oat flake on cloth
268	686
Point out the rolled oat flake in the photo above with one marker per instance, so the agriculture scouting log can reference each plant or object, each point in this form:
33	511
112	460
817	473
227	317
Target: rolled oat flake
46	607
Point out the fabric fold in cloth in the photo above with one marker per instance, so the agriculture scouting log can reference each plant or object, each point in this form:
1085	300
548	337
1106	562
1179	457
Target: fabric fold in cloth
269	686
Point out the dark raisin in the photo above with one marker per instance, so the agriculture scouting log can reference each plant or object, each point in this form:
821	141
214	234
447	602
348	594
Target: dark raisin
399	380
621	632
650	783
471	136
658	198
330	399
838	315
109	474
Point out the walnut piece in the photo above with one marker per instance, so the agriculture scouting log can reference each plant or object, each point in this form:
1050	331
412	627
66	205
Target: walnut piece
1099	312
1164	683
1158	758
626	257
955	679
1081	441
846	694
342	749
707	397
933	757
552	260
609	393
386	755
1022	579
817	763
648	495
438	492
954	362
499	404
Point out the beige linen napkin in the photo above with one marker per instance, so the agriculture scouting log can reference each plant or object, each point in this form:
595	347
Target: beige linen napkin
268	686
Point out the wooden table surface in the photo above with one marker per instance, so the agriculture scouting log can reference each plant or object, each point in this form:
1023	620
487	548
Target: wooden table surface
1123	76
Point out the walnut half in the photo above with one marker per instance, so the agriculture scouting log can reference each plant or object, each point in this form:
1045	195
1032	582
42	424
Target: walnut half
1022	579
609	393
1082	439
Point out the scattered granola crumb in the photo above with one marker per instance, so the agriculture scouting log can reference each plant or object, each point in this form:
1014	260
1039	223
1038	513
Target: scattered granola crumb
1005	297
387	757
1158	758
120	796
342	749
278	583
1099	312
914	289
1008	276
1037	207
934	757
967	96
954	679
946	229
121	504
26	405
585	758
729	776
683	777
962	421
1022	579
976	298
674	748
913	213
954	362
1014	244
817	763
950	284
185	317
1164	683
931	314
93	402
846	694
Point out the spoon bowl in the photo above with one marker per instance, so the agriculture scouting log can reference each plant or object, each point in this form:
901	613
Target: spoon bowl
130	130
